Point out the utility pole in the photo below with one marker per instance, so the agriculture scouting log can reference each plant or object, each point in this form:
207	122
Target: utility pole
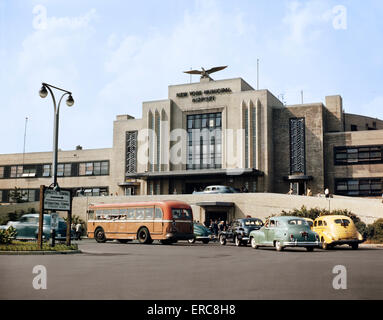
302	96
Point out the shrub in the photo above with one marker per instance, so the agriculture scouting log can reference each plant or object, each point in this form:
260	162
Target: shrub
7	235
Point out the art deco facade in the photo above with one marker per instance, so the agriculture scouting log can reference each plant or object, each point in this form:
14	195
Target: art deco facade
218	132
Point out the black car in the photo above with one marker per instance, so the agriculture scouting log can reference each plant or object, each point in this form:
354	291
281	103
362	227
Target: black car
238	232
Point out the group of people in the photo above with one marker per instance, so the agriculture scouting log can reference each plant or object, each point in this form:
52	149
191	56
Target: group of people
309	193
216	226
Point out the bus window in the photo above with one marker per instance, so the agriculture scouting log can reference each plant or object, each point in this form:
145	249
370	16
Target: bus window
131	213
188	214
149	213
177	213
140	214
158	213
123	214
99	215
90	214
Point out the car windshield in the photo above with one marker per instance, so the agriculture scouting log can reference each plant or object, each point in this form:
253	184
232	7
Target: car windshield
343	222
298	222
253	222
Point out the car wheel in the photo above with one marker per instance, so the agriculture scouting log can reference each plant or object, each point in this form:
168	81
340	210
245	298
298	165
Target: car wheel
99	235
254	243
237	241
310	249
278	246
355	246
205	241
143	236
222	240
191	240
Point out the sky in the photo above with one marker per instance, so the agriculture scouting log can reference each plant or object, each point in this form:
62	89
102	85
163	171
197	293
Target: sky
115	54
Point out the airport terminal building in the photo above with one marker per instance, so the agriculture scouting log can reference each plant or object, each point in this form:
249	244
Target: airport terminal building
220	132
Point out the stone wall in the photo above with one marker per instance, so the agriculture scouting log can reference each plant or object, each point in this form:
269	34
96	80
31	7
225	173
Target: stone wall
259	205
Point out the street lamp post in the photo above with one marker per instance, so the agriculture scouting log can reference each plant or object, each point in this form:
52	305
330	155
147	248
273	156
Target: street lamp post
43	93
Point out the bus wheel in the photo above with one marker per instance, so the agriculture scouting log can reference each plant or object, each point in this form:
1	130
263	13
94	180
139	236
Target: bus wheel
191	240
99	235
222	240
143	236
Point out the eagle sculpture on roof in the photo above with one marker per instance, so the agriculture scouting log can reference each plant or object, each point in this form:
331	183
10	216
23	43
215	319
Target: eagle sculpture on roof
205	73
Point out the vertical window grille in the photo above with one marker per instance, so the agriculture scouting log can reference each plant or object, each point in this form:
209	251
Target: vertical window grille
131	152
297	146
158	137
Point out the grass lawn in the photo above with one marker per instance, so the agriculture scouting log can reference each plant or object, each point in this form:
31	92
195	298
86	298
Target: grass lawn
32	246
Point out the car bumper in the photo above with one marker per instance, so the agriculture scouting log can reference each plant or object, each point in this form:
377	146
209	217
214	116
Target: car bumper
301	244
179	236
203	237
346	241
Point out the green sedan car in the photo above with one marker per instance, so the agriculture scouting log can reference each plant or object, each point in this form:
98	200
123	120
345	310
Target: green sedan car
201	233
285	231
27	227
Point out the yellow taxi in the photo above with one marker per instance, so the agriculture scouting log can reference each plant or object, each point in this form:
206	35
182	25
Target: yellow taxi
337	230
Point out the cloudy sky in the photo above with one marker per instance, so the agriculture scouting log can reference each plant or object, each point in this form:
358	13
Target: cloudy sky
115	54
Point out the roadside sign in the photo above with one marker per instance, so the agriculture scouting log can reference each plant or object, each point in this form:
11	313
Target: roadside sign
57	200
54	221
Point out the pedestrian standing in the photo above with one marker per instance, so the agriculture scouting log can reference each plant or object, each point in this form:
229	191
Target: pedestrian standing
78	231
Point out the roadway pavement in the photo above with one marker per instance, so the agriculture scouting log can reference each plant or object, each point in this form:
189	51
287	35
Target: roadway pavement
196	272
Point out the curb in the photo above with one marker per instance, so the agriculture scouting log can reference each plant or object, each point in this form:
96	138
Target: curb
16	253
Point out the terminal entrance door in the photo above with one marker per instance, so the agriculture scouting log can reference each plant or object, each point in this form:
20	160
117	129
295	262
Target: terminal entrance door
215	215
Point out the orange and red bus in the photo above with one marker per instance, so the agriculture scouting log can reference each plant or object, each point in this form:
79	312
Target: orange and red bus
166	221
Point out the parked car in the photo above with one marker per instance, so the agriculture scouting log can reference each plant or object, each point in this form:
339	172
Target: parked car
217	189
310	222
337	230
201	233
239	231
285	231
27	227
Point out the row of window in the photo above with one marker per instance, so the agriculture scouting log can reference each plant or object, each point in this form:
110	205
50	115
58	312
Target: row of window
31	195
127	214
359	187
358	155
94	168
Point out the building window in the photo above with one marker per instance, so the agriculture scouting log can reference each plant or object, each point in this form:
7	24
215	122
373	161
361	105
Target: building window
359	187
64	170
358	155
99	168
92	192
297	146
131	152
46	170
16	171
254	135
246	123
204	141
354	127
1	173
